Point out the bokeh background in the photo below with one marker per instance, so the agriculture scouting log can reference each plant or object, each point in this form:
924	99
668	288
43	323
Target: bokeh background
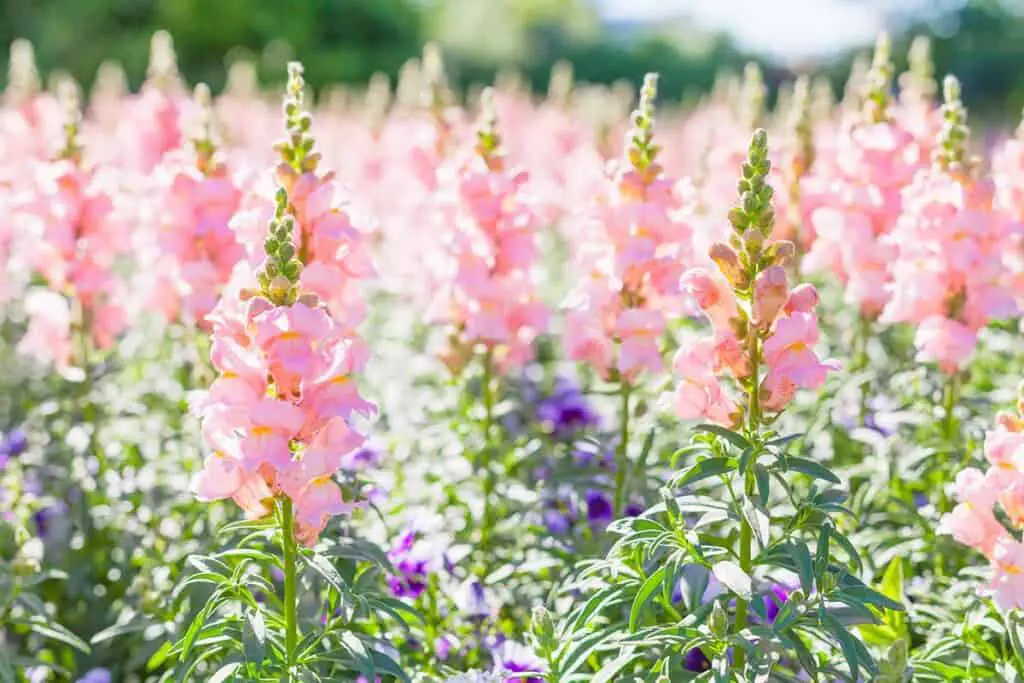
689	41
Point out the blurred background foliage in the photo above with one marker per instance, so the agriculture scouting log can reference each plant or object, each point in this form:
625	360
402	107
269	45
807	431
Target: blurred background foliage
982	41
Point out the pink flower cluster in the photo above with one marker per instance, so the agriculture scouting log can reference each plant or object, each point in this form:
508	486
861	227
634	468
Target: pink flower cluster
198	250
948	275
702	363
631	257
72	237
492	297
758	322
279	417
987	496
854	198
854	205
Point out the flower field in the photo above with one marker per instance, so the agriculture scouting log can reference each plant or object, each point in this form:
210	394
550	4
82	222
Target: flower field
403	385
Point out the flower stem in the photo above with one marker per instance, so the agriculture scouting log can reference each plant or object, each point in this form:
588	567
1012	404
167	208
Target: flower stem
289	551
753	427
485	453
860	362
950	392
622	452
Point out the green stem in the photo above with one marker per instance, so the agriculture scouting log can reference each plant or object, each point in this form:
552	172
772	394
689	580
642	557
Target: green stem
746	533
485	452
289	550
860	362
622	452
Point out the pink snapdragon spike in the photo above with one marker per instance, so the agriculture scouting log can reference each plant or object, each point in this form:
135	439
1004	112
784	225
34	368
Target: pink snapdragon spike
280	418
198	250
632	255
989	516
948	275
875	158
758	322
72	237
152	125
492	297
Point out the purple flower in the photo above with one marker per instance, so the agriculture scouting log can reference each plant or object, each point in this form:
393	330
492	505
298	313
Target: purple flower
44	518
566	411
513	657
599	508
411	579
411	573
13	444
366	457
443	646
774	601
559	514
473	601
95	676
696	660
920	499
635	509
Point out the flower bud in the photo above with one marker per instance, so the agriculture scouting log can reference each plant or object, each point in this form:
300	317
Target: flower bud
279	288
543	630
783	252
771	291
718	621
728	263
753	240
803	299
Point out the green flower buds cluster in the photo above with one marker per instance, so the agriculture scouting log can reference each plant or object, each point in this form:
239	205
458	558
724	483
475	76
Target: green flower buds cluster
279	276
951	152
297	151
642	152
71	101
203	143
878	82
755	206
801	125
753	94
488	139
919	79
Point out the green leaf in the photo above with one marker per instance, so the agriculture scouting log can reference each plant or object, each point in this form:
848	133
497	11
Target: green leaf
733	578
160	656
822	554
709	467
763	479
111	632
224	672
321	566
793	463
783	440
758	521
732	437
610	670
7	674
254	637
846	642
804	568
359	549
648	588
55	631
689	450
870	596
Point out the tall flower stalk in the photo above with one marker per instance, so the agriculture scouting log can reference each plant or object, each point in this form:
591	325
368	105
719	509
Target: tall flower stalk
632	255
279	420
721	517
491	302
